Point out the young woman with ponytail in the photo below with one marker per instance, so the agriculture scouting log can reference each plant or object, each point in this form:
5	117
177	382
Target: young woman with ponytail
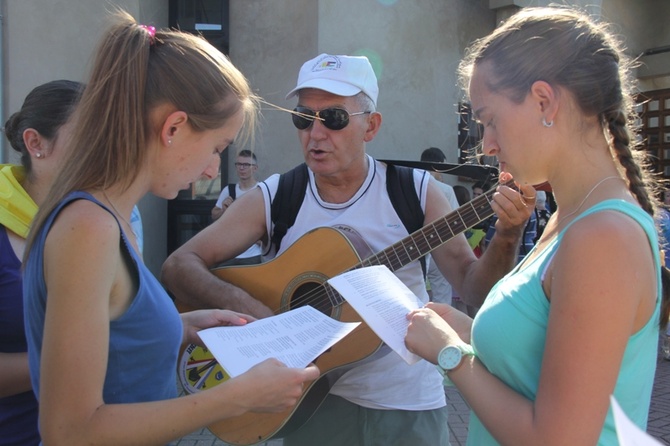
103	335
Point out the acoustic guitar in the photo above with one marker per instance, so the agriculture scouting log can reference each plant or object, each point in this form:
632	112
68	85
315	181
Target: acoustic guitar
298	277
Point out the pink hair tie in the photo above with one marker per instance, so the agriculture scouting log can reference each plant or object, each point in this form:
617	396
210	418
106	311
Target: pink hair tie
152	32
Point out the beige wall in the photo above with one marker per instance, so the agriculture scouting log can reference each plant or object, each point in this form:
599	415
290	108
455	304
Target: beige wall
644	26
46	40
641	25
414	46
415	52
268	42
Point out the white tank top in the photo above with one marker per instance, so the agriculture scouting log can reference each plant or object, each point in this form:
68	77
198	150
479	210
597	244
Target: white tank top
386	382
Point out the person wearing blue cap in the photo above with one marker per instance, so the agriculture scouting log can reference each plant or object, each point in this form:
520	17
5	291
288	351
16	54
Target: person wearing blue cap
381	400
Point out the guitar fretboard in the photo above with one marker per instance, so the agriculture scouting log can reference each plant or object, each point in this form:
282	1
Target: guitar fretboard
428	238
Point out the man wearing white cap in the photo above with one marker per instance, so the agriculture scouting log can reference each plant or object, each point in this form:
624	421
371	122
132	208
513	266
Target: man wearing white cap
381	401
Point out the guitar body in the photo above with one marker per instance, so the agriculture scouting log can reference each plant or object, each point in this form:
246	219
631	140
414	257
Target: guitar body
297	278
294	279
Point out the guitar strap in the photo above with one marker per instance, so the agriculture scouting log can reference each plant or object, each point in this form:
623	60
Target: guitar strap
293	184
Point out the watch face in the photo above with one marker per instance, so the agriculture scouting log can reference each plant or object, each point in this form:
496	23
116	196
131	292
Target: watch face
449	357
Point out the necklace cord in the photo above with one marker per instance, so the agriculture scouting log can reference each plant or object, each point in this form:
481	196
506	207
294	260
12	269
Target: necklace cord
613	177
116	211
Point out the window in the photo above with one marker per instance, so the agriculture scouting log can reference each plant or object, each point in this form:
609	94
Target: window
190	211
206	17
654	128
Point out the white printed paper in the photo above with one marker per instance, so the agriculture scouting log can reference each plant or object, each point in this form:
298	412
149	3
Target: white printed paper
628	433
295	338
382	301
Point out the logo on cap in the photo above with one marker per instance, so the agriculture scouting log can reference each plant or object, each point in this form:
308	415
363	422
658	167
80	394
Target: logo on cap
327	63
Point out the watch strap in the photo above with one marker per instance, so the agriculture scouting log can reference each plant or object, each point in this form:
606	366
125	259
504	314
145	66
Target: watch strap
466	350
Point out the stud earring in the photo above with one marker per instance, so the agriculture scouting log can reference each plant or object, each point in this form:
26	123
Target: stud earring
38	155
169	142
547	124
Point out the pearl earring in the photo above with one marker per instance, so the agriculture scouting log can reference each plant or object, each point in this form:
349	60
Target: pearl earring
547	124
38	155
169	142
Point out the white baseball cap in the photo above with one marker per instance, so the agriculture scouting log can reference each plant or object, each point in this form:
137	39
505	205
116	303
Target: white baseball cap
340	75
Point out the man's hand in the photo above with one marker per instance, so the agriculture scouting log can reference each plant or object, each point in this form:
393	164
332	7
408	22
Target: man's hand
513	208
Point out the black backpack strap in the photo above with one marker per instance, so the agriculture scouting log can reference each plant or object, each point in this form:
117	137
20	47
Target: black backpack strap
293	185
231	190
405	201
287	201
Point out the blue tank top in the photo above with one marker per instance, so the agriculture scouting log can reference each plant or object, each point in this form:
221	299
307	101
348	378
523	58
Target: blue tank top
509	334
18	413
144	341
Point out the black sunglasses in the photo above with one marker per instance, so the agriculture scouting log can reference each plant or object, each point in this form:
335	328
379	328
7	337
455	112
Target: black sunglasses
332	118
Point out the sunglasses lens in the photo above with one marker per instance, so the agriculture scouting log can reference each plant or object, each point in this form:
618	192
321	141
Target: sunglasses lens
335	118
301	122
331	118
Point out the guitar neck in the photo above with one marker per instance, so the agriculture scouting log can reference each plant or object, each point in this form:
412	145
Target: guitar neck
435	234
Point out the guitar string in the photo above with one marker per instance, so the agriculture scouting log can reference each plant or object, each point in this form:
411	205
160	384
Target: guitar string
316	295
395	259
320	294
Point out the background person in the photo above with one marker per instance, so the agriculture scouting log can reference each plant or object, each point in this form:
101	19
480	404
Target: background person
38	132
440	289
382	401
478	189
579	319
475	237
93	309
527	241
663	223
542	213
246	165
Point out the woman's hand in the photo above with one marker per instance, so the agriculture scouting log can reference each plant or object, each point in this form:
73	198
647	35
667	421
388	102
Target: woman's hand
428	333
272	386
195	321
459	321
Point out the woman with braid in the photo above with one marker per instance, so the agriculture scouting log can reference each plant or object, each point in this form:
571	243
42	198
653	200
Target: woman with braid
103	335
578	320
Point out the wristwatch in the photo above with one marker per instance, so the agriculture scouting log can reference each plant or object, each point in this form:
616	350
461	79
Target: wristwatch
451	357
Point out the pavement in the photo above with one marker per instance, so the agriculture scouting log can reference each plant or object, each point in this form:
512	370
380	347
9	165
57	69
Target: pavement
459	414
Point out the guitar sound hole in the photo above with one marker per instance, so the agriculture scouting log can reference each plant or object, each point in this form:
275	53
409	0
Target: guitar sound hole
314	294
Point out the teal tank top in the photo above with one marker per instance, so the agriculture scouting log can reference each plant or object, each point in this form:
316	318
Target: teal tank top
509	334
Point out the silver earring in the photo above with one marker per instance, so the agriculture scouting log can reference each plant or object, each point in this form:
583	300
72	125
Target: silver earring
38	155
169	142
547	124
